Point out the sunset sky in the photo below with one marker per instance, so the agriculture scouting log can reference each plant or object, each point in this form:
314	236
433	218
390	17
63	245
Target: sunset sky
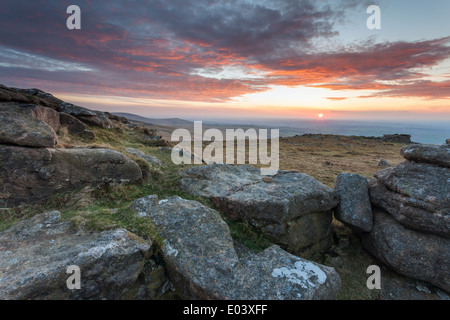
234	59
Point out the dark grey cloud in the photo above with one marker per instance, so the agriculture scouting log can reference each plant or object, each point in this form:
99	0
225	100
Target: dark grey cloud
155	48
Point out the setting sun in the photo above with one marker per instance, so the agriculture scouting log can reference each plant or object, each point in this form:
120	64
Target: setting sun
320	115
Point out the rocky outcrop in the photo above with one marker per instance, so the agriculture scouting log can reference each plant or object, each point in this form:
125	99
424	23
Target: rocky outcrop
28	96
291	208
201	261
411	231
74	110
36	253
414	254
434	154
94	118
43	99
354	208
75	126
397	138
100	119
153	161
117	118
35	174
32	170
28	125
416	195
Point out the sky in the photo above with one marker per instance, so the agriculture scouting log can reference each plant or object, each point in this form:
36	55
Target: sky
211	59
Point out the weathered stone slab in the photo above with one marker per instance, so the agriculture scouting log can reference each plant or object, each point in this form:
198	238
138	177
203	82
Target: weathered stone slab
428	153
35	255
291	208
35	174
202	263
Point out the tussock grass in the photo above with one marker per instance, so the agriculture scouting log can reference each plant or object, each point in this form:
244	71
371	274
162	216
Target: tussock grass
247	235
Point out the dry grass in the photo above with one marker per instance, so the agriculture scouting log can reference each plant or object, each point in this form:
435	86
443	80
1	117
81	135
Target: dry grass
324	157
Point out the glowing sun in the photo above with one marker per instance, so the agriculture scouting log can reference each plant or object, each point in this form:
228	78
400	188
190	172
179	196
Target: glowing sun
320	115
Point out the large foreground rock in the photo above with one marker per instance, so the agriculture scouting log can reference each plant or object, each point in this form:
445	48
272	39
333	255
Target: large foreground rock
414	254
291	208
202	263
28	125
35	255
354	208
416	195
34	174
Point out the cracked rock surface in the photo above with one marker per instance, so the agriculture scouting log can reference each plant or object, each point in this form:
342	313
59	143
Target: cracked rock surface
411	203
202	263
35	255
34	174
291	208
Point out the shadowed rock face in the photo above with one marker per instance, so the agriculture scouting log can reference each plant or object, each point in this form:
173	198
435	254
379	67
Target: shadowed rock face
292	209
202	263
34	174
35	255
28	125
99	120
75	126
354	208
411	253
95	118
